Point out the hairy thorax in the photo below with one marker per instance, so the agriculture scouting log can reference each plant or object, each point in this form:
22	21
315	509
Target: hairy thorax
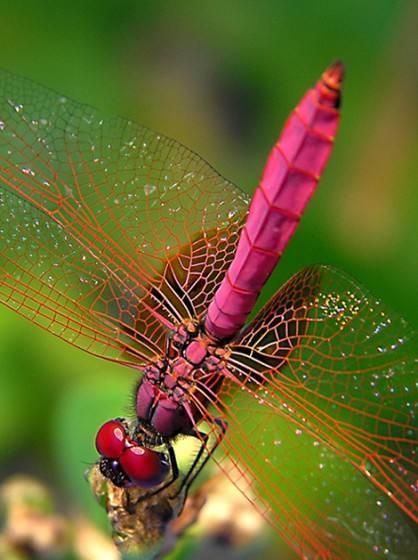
176	389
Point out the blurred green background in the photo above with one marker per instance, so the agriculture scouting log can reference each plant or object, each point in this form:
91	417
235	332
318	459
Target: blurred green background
221	78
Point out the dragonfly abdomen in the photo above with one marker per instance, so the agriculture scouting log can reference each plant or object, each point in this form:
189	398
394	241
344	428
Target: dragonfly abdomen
289	179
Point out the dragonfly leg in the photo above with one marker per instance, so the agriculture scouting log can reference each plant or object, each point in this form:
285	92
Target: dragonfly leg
203	455
173	478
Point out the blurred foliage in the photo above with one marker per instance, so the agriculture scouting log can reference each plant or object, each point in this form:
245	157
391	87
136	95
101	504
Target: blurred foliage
221	78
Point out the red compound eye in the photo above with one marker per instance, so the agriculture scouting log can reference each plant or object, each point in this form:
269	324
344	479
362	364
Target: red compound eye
110	439
145	467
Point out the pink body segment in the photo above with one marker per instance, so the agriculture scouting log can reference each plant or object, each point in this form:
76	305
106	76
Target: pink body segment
289	179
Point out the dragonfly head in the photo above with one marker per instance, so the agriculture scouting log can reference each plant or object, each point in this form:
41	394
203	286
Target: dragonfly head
127	463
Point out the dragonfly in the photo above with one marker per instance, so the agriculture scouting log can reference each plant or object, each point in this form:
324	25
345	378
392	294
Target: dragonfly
129	246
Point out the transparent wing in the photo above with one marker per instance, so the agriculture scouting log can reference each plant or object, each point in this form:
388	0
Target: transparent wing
322	427
110	233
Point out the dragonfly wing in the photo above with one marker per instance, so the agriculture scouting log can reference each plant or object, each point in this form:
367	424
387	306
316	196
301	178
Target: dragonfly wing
313	497
320	405
105	223
194	274
47	277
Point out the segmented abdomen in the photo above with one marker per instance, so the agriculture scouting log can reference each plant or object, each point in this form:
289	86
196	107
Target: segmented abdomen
289	179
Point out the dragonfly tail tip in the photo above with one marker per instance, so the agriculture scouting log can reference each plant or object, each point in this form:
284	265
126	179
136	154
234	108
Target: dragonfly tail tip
334	75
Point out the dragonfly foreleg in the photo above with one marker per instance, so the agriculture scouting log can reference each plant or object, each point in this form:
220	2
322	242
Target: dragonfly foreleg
209	443
203	455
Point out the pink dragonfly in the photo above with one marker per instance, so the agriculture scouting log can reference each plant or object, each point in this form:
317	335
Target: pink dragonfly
131	247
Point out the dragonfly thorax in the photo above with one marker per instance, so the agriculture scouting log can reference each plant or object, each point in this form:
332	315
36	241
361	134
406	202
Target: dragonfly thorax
175	387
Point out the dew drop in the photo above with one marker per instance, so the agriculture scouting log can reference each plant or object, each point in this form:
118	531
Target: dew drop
28	171
149	189
68	191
